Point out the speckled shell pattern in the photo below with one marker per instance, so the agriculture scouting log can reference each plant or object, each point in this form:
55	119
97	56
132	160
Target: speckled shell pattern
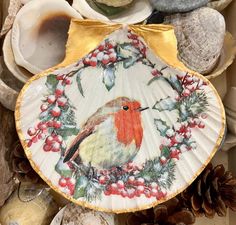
200	35
77	215
175	6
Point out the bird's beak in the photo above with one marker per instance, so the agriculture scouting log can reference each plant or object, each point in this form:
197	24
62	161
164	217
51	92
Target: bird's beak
142	109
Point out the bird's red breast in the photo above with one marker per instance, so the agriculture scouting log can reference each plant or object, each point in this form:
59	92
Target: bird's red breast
128	124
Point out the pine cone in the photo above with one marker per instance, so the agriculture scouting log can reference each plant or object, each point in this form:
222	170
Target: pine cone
20	165
212	192
168	213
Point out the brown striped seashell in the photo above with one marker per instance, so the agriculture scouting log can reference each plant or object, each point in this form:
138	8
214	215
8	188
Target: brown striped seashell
200	35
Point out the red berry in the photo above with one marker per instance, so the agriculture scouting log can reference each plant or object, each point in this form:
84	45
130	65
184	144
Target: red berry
140	190
60	77
42	126
163	160
124	193
29	143
120	184
107	192
58	139
154	192
47	148
93	63
56	147
50	123
140	181
44	107
31	131
155	72
68	81
101	47
201	125
131	179
57	124
147	193
102	179
56	111
59	92
51	99
49	140
109	45
86	61
62	182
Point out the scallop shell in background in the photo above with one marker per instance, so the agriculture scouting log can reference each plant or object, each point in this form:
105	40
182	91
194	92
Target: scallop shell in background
9	87
77	215
175	6
124	130
226	57
13	8
18	72
219	4
200	36
137	12
115	3
39	33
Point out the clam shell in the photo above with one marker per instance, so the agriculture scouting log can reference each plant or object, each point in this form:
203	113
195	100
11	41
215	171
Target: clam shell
9	87
200	35
219	4
227	57
174	6
139	11
115	3
17	71
39	33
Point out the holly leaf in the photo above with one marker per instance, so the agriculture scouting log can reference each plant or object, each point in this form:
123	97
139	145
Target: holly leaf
175	83
161	126
52	81
80	187
129	62
166	104
78	81
109	77
63	169
68	131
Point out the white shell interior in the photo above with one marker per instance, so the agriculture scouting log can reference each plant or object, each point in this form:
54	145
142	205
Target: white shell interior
17	71
39	33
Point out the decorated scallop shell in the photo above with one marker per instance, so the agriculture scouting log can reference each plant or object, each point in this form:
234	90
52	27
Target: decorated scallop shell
18	72
39	33
200	35
219	4
120	129
175	6
138	11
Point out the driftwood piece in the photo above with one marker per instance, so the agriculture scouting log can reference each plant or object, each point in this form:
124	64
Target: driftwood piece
8	136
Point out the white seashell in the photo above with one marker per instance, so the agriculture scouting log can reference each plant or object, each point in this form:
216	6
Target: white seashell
139	11
17	71
39	33
200	35
219	4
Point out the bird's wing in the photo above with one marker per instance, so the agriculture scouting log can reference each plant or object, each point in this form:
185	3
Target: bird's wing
73	151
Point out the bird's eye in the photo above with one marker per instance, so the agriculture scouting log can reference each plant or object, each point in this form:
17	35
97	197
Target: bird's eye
125	107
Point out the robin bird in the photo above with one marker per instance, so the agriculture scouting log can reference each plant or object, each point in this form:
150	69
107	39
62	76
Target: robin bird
111	137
